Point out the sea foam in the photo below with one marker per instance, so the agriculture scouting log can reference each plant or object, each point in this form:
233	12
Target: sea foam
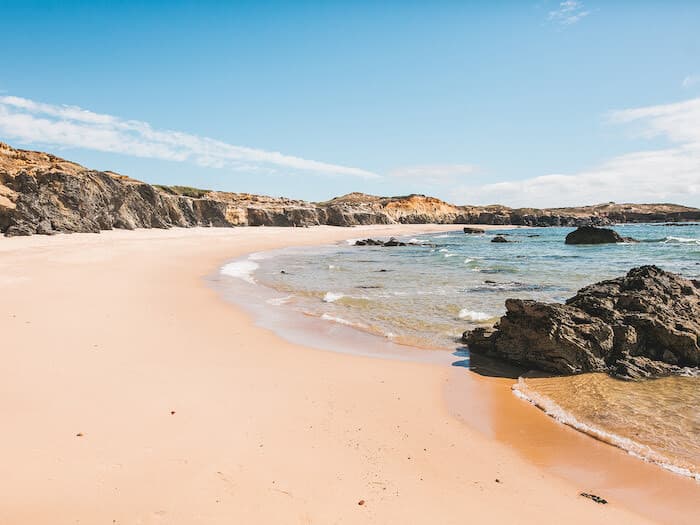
241	270
332	297
472	315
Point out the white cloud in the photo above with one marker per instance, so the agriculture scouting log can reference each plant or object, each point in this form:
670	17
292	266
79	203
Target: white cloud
434	174
31	122
670	174
568	13
690	80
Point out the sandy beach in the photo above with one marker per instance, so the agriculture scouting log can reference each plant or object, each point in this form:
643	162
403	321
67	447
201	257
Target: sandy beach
133	393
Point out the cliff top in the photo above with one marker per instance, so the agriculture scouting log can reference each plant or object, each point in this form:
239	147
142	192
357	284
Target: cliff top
14	161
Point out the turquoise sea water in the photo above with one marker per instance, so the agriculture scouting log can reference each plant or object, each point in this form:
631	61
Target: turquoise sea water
426	295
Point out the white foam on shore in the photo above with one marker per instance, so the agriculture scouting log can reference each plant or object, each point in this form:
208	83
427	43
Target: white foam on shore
332	297
556	412
260	256
681	240
340	320
473	315
241	270
278	301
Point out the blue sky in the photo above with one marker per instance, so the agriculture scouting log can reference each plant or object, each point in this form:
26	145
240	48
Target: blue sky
523	103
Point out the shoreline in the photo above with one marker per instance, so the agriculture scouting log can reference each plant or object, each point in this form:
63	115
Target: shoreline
643	490
359	428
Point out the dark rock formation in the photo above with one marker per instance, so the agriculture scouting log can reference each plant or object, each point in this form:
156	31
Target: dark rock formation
499	238
473	230
594	235
645	324
375	242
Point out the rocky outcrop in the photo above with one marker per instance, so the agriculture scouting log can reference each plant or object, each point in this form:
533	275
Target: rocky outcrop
42	193
594	235
645	324
473	231
499	239
392	242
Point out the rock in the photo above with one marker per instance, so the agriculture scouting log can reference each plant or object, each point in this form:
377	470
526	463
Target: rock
644	324
374	242
473	230
393	242
499	238
593	235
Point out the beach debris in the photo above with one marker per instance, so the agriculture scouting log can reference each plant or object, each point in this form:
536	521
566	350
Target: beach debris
79	434
361	502
593	235
172	412
593	497
644	324
497	480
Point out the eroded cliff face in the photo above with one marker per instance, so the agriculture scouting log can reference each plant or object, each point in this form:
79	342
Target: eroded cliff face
42	193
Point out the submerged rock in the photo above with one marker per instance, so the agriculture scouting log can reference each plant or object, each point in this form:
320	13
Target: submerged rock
375	242
645	324
499	238
474	230
593	235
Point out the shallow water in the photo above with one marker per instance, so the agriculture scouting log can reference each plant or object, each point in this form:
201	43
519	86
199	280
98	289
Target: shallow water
426	296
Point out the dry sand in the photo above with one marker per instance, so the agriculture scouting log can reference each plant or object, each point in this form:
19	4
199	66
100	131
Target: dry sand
132	393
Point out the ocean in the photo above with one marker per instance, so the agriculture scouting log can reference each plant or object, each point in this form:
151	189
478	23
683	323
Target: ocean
426	294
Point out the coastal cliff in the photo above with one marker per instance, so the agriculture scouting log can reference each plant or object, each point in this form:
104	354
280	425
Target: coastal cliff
44	194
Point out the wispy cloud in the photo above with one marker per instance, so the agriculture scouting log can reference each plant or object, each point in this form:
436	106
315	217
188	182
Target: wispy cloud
670	174
31	122
568	13
435	173
690	80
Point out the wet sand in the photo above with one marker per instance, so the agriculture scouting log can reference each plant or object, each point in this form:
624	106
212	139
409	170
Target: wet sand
133	393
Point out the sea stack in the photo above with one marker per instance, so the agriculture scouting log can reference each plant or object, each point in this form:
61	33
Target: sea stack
594	235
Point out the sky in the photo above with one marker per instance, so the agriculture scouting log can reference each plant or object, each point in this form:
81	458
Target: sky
542	103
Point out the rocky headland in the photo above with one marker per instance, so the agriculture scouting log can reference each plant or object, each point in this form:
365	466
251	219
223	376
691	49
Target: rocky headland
644	324
45	194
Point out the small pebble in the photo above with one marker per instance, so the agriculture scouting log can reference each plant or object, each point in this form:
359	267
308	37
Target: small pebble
361	502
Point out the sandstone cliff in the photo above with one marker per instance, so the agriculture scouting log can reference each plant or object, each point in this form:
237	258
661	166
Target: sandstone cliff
42	193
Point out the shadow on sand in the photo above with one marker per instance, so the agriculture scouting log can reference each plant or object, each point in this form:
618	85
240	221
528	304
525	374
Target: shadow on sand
487	366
